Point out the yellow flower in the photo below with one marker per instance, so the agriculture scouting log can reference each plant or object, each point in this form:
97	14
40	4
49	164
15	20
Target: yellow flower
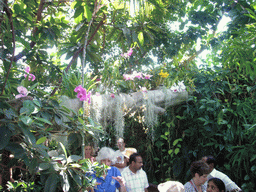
164	75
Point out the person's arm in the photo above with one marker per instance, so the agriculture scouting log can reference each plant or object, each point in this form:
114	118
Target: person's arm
146	189
121	181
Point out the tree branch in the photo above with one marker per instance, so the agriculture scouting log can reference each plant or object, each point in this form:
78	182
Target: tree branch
76	55
32	44
8	13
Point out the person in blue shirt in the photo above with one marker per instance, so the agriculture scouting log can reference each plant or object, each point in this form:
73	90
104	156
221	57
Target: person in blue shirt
112	179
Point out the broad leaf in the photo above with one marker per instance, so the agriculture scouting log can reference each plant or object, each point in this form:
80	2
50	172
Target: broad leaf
5	135
51	183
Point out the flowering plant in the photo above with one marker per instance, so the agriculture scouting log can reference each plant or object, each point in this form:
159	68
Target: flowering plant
82	94
30	75
178	88
136	81
128	53
23	92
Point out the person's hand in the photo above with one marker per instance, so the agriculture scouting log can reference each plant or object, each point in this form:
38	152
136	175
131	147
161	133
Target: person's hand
120	180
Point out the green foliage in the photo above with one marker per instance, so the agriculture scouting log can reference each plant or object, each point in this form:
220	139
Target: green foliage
20	186
218	119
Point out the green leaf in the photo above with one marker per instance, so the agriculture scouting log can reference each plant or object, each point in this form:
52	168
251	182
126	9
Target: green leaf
43	166
141	38
176	141
64	150
28	107
170	151
26	120
5	135
247	177
65	182
17	150
87	13
73	158
57	120
28	135
51	183
176	151
43	120
16	8
253	168
41	140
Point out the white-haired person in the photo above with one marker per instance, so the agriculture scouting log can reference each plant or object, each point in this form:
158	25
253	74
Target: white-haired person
171	186
112	180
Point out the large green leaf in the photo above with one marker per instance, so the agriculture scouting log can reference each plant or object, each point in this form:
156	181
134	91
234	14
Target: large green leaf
51	183
41	140
5	135
26	120
65	182
28	135
28	107
43	120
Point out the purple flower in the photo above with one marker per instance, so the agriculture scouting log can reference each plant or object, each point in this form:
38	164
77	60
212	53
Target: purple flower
27	69
78	89
23	92
129	53
31	77
112	95
146	76
82	94
138	75
128	77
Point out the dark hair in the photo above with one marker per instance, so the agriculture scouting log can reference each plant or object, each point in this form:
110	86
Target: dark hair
219	183
210	159
133	157
200	168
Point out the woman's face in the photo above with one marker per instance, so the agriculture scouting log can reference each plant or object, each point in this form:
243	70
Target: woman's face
106	162
201	179
211	187
88	150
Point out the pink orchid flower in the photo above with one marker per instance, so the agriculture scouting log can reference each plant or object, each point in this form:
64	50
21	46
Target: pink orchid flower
146	76
78	89
112	95
23	92
31	77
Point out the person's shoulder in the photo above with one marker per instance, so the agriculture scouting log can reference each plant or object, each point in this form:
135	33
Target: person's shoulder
125	171
219	174
141	171
188	185
114	169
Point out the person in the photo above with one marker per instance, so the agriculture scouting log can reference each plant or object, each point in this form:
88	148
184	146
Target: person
229	184
111	180
199	171
135	178
88	152
126	152
171	186
215	185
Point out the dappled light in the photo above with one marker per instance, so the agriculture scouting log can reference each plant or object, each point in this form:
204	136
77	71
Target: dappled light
175	80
